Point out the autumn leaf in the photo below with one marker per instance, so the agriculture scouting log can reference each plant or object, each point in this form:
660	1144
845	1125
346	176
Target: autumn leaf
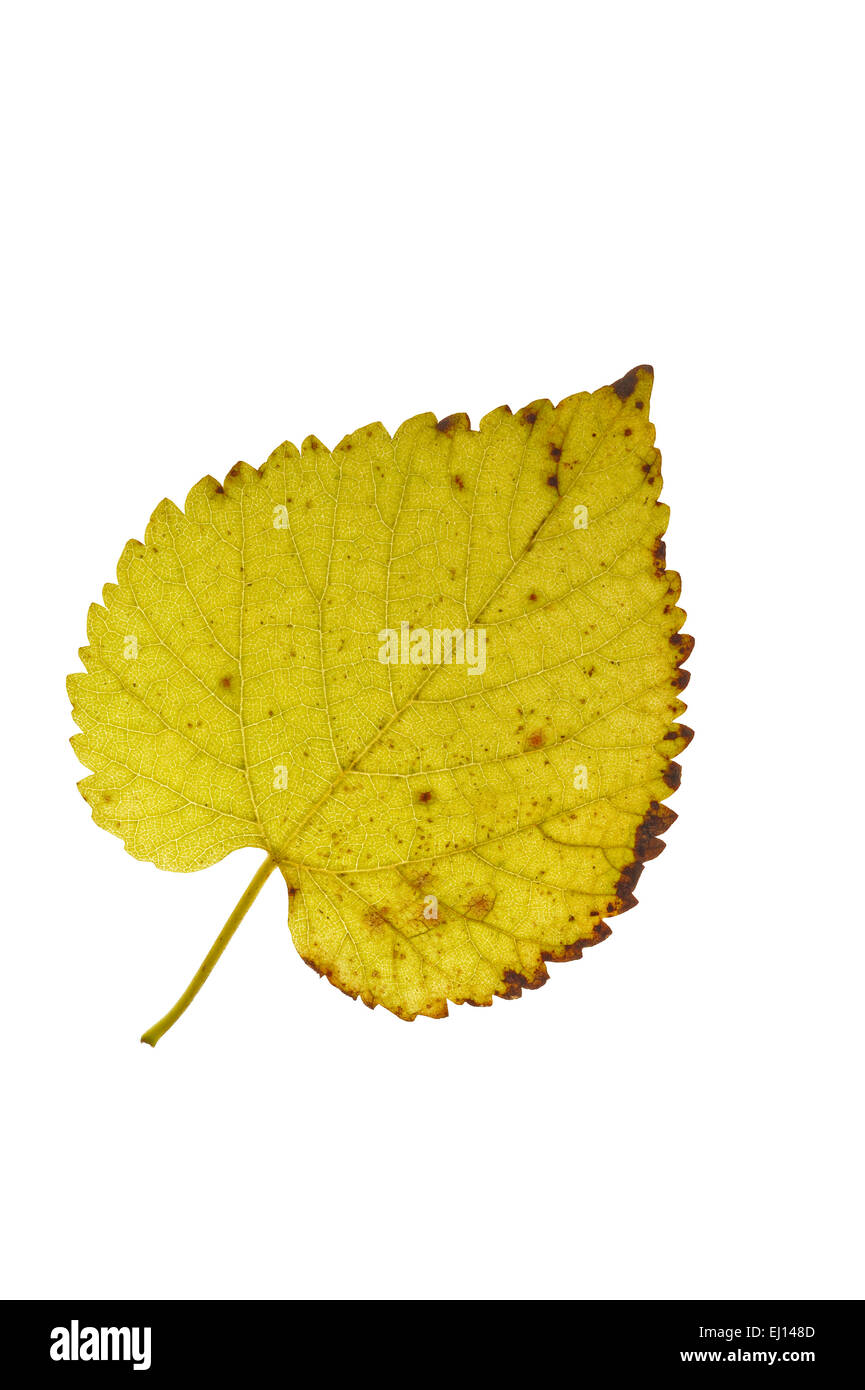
435	677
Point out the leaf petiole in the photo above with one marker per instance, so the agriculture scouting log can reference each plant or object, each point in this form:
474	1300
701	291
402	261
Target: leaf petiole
153	1034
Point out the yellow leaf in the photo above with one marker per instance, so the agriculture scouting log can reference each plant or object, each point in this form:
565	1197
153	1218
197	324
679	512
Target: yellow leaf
435	677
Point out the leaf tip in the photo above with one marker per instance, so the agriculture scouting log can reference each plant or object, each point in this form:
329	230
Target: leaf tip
627	384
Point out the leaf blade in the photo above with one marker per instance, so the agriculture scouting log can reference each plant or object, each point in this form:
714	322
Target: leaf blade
519	795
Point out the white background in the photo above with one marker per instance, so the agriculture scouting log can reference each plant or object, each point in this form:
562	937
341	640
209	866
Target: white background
230	224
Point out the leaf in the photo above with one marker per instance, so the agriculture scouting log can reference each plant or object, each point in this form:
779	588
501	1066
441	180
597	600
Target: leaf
271	670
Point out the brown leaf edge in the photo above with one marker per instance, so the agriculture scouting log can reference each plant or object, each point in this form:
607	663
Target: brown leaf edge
659	818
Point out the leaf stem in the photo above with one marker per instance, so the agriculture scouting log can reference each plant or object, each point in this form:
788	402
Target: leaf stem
153	1034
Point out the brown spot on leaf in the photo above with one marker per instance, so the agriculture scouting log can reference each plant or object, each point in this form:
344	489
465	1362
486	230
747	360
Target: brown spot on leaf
646	843
555	452
451	422
627	384
425	796
553	481
684	644
480	905
459	482
658	820
515	983
627	881
673	776
530	417
536	739
375	919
